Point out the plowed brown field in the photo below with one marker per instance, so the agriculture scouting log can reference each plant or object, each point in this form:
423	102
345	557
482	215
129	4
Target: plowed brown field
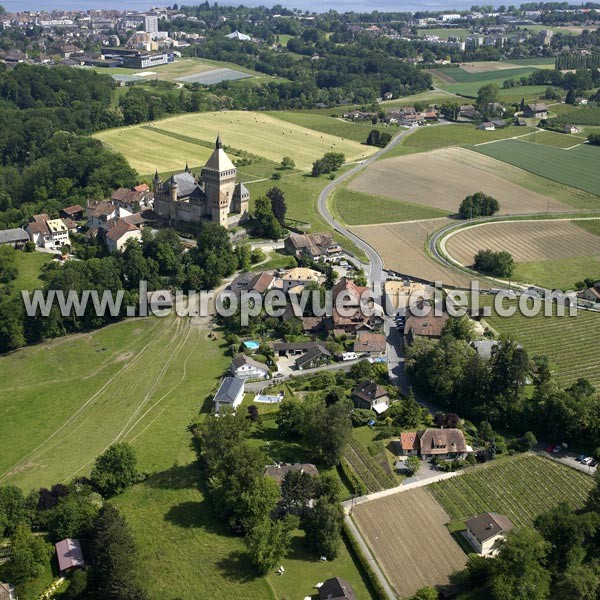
407	534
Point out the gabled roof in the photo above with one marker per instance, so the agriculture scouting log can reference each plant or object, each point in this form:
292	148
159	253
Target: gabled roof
119	228
409	440
41	218
369	391
336	589
370	342
228	390
537	107
69	554
488	525
241	359
73	210
313	353
38	227
10	236
278	472
442	441
102	208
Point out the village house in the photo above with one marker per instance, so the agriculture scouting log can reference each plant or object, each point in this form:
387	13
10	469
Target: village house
99	213
315	357
487	126
75	212
536	111
486	532
371	396
119	232
429	326
288	349
133	199
51	234
400	295
336	588
371	344
409	443
571	129
230	393
443	444
252	282
245	367
278	471
316	246
295	279
16	238
69	555
592	294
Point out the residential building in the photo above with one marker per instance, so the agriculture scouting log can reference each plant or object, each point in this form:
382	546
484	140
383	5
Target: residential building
293	348
70	555
399	295
240	37
214	196
245	367
230	393
279	471
371	396
486	532
592	294
429	326
487	126
314	245
444	444
315	357
133	199
119	232
571	129
49	234
409	443
151	24
100	213
300	277
373	344
252	282
75	212
16	238
536	111
336	589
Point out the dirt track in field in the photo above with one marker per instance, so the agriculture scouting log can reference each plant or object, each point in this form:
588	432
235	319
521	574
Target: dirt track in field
402	247
408	537
443	178
527	241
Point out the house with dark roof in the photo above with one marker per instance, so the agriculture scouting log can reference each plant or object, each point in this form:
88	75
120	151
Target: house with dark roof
75	212
278	471
371	396
230	393
487	532
317	356
336	589
314	245
133	199
429	326
99	213
245	367
293	348
69	555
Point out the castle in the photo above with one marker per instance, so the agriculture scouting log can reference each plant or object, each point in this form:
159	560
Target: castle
214	196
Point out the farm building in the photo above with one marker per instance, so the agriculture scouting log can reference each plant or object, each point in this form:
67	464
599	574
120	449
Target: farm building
444	444
486	532
70	555
372	344
16	238
336	588
592	294
571	129
245	367
230	393
536	111
279	471
75	212
314	245
371	396
118	233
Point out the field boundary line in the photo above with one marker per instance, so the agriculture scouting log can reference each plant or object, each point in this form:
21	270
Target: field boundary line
516	137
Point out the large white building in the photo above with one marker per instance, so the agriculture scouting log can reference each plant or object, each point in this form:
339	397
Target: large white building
151	24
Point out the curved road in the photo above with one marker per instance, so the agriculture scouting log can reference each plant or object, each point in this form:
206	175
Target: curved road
374	270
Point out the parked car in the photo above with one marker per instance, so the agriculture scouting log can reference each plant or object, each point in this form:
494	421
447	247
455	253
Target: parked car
593	463
549	448
557	448
580	457
586	461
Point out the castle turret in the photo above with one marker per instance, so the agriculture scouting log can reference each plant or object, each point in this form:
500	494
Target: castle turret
156	182
219	175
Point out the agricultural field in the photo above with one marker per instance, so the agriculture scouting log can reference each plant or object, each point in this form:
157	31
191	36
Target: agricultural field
525	240
359	132
504	65
356	208
445	177
169	512
256	133
427	98
520	487
559	274
497	76
553	139
402	247
407	535
577	167
434	137
138	378
583	115
568	342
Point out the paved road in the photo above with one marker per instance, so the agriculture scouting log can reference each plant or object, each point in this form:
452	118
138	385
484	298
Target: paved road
375	267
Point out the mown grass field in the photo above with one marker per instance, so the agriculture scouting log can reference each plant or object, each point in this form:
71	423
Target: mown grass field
359	132
577	167
484	77
356	208
520	487
430	97
257	133
561	274
553	139
29	265
63	402
567	341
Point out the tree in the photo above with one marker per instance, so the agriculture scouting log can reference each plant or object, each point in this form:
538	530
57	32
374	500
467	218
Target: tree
426	593
460	328
478	205
12	509
115	554
265	221
487	96
253	414
498	264
30	554
115	469
288	163
570	97
581	582
373	137
297	490
269	540
278	205
290	417
74	517
323	526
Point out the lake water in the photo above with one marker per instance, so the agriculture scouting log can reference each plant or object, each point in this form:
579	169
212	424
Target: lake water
311	5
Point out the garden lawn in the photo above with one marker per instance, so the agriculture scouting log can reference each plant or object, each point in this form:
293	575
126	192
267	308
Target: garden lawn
577	167
29	265
520	487
356	208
